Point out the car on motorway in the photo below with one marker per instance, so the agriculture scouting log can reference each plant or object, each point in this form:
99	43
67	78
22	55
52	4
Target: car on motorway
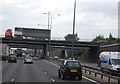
109	62
12	58
70	68
55	58
28	60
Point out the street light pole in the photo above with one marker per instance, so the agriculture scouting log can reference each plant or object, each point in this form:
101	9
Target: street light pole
51	22
73	29
48	19
49	28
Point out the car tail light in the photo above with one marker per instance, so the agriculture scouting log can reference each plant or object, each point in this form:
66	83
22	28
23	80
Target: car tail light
64	69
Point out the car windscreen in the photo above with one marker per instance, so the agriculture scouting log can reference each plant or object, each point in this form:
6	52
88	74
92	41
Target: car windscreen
116	61
72	64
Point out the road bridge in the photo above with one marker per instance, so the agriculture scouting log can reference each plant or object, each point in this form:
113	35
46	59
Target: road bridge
112	47
44	43
51	42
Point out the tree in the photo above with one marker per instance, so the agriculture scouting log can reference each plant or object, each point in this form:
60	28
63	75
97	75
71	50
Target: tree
110	36
98	38
112	39
71	37
109	40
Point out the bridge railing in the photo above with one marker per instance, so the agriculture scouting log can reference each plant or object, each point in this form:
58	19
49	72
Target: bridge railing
59	38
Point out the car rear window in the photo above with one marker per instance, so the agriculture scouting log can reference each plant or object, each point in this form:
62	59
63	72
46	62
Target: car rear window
73	64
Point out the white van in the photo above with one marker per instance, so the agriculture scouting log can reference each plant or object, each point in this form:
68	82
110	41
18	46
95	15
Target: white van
110	61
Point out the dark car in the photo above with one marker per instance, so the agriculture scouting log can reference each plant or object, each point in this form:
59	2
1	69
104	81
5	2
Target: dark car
12	58
70	68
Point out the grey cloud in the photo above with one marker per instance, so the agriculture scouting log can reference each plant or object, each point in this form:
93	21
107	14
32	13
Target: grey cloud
108	8
28	14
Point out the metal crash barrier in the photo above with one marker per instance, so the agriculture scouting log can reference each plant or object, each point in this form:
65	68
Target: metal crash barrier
89	70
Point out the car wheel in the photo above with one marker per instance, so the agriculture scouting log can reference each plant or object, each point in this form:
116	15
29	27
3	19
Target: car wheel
79	77
59	75
8	61
63	76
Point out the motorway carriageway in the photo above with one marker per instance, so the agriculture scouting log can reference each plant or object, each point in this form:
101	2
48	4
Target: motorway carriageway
39	71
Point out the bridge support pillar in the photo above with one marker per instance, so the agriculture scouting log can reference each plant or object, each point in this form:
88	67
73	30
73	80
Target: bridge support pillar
35	52
93	54
63	54
45	51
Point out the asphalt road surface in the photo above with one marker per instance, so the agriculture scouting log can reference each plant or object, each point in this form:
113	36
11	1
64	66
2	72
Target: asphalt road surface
39	71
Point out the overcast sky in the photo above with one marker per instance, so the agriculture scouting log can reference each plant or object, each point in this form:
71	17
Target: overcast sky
92	18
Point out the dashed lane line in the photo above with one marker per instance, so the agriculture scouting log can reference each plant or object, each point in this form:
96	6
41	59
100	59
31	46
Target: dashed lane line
12	80
53	80
45	73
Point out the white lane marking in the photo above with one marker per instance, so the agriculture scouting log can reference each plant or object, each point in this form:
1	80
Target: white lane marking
82	76
53	80
46	61
41	68
90	79
51	63
45	73
12	79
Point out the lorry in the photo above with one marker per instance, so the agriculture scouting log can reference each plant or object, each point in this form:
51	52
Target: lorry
31	33
110	62
4	51
8	33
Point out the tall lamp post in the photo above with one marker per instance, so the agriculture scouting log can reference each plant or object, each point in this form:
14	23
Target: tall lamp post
48	18
73	29
49	27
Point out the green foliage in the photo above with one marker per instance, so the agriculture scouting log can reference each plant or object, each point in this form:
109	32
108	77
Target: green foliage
83	56
79	54
71	37
98	38
110	40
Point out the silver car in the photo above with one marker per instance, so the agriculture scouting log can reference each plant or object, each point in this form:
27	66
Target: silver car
28	60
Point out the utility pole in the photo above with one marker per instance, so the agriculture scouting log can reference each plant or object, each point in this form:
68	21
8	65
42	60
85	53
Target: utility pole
73	29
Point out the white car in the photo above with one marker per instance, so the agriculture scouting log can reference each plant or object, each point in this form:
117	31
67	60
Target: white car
55	57
28	60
